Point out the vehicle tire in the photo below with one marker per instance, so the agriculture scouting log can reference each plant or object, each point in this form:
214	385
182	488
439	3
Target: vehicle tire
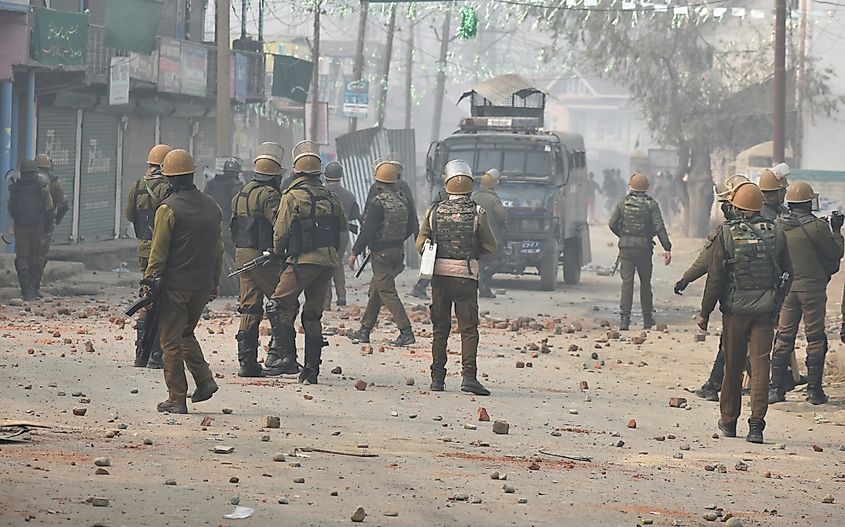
548	269
572	261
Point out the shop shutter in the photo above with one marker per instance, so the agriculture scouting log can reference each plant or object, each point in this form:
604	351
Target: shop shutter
57	138
138	139
204	149
176	132
99	176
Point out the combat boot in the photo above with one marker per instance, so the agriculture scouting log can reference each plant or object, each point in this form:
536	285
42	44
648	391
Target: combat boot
362	335
648	321
405	338
35	287
777	390
313	352
155	362
438	380
815	373
140	361
470	384
755	430
25	282
419	290
248	353
708	392
484	290
728	430
281	358
172	408
624	322
204	391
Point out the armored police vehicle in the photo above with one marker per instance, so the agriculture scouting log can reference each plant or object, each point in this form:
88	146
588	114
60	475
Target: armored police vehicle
543	178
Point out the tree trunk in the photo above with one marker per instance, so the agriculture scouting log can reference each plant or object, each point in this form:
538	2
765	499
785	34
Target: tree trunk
700	191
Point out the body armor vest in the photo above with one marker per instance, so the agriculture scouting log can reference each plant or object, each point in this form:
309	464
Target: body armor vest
454	225
750	252
250	230
30	207
146	203
636	216
321	228
394	228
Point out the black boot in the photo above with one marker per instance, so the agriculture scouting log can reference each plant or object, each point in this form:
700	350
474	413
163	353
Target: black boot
648	321
313	352
419	290
140	356
438	380
405	338
624	322
708	392
362	335
727	429
815	373
470	384
35	286
25	281
755	430
155	357
248	353
281	358
777	390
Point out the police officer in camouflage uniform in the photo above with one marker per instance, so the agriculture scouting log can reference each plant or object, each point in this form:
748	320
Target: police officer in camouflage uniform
488	200
141	204
223	188
773	184
745	277
31	207
419	290
816	248
389	221
60	208
254	211
461	229
307	235
186	259
334	176
636	220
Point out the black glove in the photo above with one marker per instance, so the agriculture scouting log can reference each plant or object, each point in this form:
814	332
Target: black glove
842	332
836	221
680	285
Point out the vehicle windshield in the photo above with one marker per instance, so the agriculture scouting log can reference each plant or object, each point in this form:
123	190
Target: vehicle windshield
522	195
509	161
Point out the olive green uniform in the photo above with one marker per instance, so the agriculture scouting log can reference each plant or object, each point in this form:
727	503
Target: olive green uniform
468	238
307	231
748	256
353	213
636	220
30	206
187	253
60	208
814	250
389	221
488	200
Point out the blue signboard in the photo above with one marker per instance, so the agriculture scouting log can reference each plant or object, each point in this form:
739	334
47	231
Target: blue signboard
356	98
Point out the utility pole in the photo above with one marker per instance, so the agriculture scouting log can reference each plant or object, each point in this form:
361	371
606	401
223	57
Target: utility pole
358	66
261	20
779	110
440	87
224	103
315	75
385	73
409	66
800	79
244	4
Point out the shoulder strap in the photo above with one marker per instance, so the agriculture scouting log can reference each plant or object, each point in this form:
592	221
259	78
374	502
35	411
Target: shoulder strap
433	218
818	249
152	195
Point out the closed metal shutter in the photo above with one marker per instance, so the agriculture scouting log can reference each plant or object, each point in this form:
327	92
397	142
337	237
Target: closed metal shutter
57	139
204	149
138	139
176	132
99	177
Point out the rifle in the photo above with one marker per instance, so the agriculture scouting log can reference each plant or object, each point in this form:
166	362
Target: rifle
363	264
150	297
780	294
615	267
265	258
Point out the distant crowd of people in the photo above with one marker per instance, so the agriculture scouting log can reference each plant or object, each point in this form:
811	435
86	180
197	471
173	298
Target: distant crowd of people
670	192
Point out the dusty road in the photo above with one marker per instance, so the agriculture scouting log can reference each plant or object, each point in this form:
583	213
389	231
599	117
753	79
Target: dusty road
434	458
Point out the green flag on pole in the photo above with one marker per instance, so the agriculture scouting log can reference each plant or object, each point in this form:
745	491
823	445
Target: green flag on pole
59	37
131	25
291	77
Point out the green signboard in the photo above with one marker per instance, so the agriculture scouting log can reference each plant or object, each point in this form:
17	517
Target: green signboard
59	37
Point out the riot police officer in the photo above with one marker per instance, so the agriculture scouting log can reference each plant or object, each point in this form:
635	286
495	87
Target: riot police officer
420	287
31	207
223	188
816	248
388	222
141	204
254	210
334	177
636	220
746	277
487	198
60	208
307	235
186	258
461	229
773	184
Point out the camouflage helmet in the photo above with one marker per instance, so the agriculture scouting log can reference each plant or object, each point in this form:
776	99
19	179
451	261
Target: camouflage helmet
157	154
178	163
306	158
334	171
747	196
490	179
638	182
458	175
270	150
386	172
43	161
